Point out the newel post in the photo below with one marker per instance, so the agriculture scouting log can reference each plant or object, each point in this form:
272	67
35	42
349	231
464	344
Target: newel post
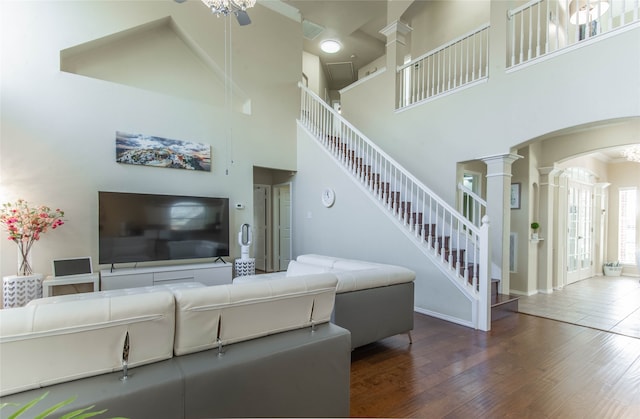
484	280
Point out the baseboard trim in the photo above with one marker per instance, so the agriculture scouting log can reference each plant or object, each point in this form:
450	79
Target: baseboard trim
444	317
522	294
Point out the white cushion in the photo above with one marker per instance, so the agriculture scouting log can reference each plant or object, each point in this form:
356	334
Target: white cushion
354	265
297	269
260	277
44	344
231	313
354	275
373	278
335	263
318	260
111	293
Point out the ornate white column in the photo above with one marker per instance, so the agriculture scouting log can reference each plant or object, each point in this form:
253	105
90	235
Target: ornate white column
560	231
396	33
548	225
499	212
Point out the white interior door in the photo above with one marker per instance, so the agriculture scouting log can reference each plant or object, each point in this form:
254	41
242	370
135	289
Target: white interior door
282	224
261	209
579	232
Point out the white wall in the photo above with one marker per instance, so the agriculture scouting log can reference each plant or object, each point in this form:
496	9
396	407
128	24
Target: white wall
57	138
372	67
312	68
437	22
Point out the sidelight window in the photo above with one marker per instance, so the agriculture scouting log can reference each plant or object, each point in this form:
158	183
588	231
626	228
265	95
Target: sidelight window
627	225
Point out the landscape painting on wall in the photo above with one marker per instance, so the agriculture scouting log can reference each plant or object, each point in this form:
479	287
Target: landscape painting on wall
148	150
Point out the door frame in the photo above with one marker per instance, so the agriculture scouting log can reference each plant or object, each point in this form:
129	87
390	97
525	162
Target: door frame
584	224
268	225
276	223
561	236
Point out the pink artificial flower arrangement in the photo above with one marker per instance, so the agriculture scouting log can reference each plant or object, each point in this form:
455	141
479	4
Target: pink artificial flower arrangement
25	224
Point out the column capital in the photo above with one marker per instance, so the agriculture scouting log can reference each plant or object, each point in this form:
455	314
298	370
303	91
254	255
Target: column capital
500	164
397	26
502	158
548	174
396	32
545	171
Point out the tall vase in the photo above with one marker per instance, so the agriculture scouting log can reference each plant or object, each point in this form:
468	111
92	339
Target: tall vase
24	259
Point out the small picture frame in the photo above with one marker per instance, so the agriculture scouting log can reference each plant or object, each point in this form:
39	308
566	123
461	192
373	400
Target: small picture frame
514	199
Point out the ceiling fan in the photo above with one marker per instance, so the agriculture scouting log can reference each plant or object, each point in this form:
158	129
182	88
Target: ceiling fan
226	7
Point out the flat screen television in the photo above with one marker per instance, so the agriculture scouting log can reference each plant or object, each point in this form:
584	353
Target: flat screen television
136	227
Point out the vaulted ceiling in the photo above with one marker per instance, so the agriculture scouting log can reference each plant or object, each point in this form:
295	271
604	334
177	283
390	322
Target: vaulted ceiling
355	24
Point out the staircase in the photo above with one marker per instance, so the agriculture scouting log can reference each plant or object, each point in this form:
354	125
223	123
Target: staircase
447	238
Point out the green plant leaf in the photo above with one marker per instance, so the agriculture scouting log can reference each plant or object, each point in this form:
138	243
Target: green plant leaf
80	413
55	407
91	414
28	406
76	414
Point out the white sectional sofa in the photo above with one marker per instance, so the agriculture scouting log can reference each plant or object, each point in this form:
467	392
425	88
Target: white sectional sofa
243	350
373	300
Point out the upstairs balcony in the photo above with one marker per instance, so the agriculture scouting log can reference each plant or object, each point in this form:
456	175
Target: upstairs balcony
500	76
536	30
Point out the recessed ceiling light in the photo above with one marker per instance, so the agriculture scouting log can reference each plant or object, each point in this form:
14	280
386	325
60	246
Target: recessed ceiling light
330	46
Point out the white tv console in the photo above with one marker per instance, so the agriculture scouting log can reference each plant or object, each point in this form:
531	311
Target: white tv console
205	273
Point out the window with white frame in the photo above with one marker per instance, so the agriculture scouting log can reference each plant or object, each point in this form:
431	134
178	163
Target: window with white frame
627	204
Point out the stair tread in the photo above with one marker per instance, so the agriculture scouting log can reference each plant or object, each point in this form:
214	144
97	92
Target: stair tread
501	299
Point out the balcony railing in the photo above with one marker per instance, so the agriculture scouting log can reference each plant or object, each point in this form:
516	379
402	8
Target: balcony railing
456	64
541	27
535	30
473	207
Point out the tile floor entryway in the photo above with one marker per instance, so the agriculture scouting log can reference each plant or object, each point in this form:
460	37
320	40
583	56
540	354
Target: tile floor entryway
605	303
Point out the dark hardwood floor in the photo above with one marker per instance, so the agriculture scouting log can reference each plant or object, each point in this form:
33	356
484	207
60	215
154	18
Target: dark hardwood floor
525	367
